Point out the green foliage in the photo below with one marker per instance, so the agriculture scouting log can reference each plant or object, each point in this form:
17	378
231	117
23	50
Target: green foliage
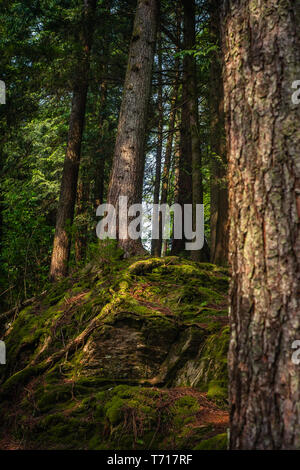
104	251
39	50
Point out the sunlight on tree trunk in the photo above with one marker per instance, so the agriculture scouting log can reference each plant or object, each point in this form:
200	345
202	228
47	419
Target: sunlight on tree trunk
128	163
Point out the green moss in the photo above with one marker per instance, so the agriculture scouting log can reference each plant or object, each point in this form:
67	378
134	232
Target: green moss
172	311
57	292
20	378
184	410
113	410
218	442
145	266
192	293
61	431
213	365
123	286
217	390
52	395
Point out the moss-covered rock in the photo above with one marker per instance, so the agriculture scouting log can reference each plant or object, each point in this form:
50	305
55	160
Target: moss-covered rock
208	371
85	360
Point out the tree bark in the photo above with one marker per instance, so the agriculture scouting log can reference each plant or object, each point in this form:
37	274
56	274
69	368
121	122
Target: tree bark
218	180
167	162
128	163
175	162
65	212
184	187
169	146
101	151
261	51
83	193
190	175
192	106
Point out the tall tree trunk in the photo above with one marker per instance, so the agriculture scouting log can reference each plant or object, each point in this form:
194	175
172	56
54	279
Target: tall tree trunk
169	146
261	50
65	212
171	128
184	187
83	193
218	181
128	163
167	162
175	162
100	153
155	246
192	105
175	168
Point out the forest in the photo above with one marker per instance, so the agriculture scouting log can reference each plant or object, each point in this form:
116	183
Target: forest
150	225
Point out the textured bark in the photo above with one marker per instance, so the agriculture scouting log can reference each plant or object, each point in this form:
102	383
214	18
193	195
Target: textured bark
128	163
65	212
192	105
83	193
167	162
175	169
218	182
100	153
155	246
163	244
169	147
184	180
176	163
184	189
261	50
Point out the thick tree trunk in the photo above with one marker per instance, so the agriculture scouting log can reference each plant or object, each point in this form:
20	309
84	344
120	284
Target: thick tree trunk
128	163
155	246
65	212
261	50
218	181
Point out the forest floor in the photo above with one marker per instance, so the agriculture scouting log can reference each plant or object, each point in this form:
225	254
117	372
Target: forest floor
213	420
124	354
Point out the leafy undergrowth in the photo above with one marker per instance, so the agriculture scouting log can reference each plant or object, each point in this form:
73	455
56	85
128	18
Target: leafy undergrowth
125	354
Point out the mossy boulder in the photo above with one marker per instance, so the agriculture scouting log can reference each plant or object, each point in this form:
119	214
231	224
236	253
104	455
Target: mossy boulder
104	358
208	370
